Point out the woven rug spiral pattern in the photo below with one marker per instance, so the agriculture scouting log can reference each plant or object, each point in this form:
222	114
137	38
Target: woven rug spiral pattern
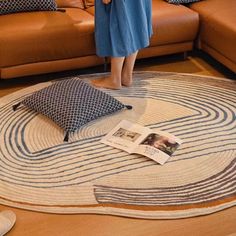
38	171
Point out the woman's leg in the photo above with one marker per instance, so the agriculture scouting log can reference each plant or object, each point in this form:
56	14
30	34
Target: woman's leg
113	82
127	72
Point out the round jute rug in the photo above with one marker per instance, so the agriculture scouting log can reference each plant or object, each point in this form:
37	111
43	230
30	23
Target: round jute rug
38	171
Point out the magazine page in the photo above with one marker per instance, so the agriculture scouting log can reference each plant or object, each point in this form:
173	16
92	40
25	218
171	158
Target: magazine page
126	136
158	146
134	138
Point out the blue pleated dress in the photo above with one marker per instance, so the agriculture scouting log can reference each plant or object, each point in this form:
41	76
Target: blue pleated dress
122	27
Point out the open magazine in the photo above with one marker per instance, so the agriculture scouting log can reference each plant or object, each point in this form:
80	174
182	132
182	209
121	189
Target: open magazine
134	138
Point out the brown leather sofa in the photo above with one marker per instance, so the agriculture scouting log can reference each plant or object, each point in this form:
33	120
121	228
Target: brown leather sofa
217	35
43	42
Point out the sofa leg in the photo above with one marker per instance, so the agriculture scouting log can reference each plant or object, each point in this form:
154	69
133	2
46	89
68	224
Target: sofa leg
185	55
105	64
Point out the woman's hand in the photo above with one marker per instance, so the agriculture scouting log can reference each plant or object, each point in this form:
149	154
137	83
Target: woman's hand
106	1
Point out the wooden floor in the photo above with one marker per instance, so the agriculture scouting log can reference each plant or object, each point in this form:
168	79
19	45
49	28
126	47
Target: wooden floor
222	223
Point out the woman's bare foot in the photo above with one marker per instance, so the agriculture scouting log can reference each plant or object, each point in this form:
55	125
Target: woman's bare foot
127	70
106	82
114	80
127	79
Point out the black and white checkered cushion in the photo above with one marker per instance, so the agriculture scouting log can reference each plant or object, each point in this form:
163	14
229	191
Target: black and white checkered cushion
13	6
71	103
181	1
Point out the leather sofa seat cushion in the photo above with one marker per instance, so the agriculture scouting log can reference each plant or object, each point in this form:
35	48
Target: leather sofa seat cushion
46	36
91	10
70	3
173	23
218	25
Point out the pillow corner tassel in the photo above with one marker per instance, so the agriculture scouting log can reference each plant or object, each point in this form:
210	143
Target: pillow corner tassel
66	138
129	107
14	107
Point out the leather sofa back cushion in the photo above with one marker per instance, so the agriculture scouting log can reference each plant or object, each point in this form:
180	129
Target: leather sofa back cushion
89	3
70	3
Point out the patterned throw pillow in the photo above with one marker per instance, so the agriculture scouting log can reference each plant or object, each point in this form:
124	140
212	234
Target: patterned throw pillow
181	1
13	6
71	103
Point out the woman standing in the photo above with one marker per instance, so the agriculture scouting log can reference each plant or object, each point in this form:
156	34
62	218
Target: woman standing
122	27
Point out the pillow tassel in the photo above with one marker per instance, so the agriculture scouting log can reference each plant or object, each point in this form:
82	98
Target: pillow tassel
14	107
129	107
66	139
